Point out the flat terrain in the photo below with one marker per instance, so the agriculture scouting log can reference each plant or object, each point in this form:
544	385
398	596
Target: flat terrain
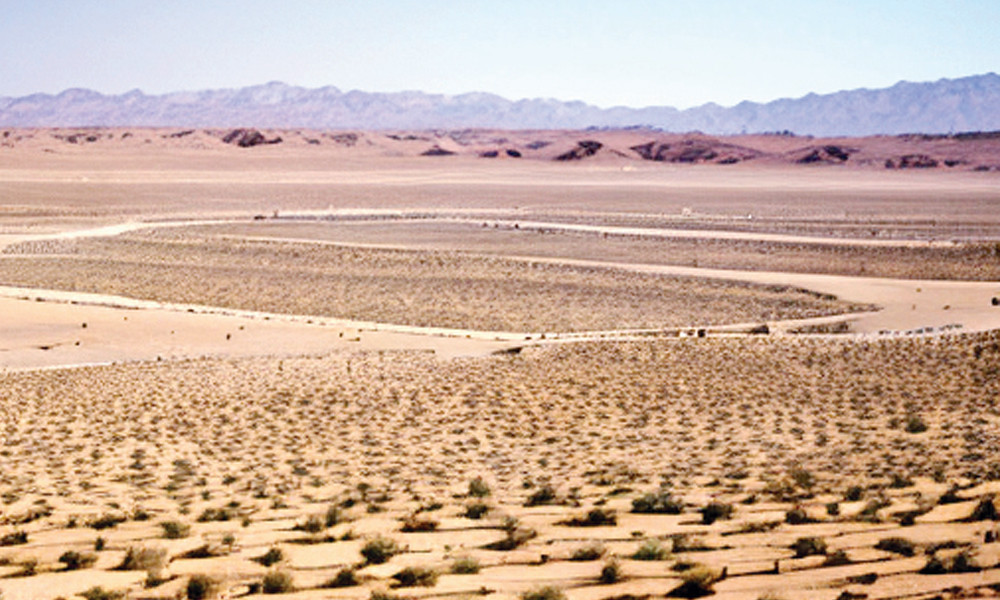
345	368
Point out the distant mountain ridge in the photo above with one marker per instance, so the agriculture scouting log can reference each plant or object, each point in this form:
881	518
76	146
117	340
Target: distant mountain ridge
943	106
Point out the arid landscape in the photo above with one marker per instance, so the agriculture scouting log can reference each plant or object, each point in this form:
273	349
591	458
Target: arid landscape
611	364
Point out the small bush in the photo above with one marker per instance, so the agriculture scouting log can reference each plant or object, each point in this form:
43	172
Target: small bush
585	553
416	577
611	572
596	517
984	511
476	510
99	593
478	488
200	587
809	546
837	558
960	563
346	577
270	558
543	495
277	582
107	522
651	549
715	511
312	524
144	559
897	545
15	538
77	560
854	493
465	565
696	582
415	523
333	516
379	550
175	530
516	536
659	502
215	514
544	593
797	516
914	424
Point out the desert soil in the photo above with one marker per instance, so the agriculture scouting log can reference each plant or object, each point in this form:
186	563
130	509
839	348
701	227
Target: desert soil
265	370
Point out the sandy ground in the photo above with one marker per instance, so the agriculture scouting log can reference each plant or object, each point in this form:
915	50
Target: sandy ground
217	435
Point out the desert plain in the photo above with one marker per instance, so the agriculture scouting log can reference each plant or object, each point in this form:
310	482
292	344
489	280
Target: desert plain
532	365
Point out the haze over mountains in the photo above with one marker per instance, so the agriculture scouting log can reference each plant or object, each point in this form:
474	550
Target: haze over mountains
944	106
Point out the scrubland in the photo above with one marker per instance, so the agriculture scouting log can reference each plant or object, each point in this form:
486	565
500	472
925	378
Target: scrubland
800	454
426	288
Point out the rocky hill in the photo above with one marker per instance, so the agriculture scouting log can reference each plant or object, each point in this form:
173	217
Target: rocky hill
947	105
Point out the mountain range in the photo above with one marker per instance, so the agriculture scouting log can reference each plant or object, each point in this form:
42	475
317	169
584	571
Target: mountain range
943	106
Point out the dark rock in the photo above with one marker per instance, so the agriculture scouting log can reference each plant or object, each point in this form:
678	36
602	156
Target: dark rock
729	160
490	154
437	151
248	138
538	145
911	161
826	154
345	139
693	155
513	153
180	134
584	149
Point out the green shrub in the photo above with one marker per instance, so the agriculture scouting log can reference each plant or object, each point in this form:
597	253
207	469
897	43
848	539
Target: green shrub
379	550
465	565
651	549
416	577
277	582
659	502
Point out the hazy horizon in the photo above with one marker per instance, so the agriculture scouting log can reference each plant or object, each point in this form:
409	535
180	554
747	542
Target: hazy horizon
632	54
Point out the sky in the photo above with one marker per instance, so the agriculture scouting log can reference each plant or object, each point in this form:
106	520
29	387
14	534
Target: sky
635	53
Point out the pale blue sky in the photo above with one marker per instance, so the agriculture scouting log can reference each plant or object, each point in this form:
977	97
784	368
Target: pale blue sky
635	53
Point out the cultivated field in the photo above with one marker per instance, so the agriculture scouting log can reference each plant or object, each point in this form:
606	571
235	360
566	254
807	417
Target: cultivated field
344	369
